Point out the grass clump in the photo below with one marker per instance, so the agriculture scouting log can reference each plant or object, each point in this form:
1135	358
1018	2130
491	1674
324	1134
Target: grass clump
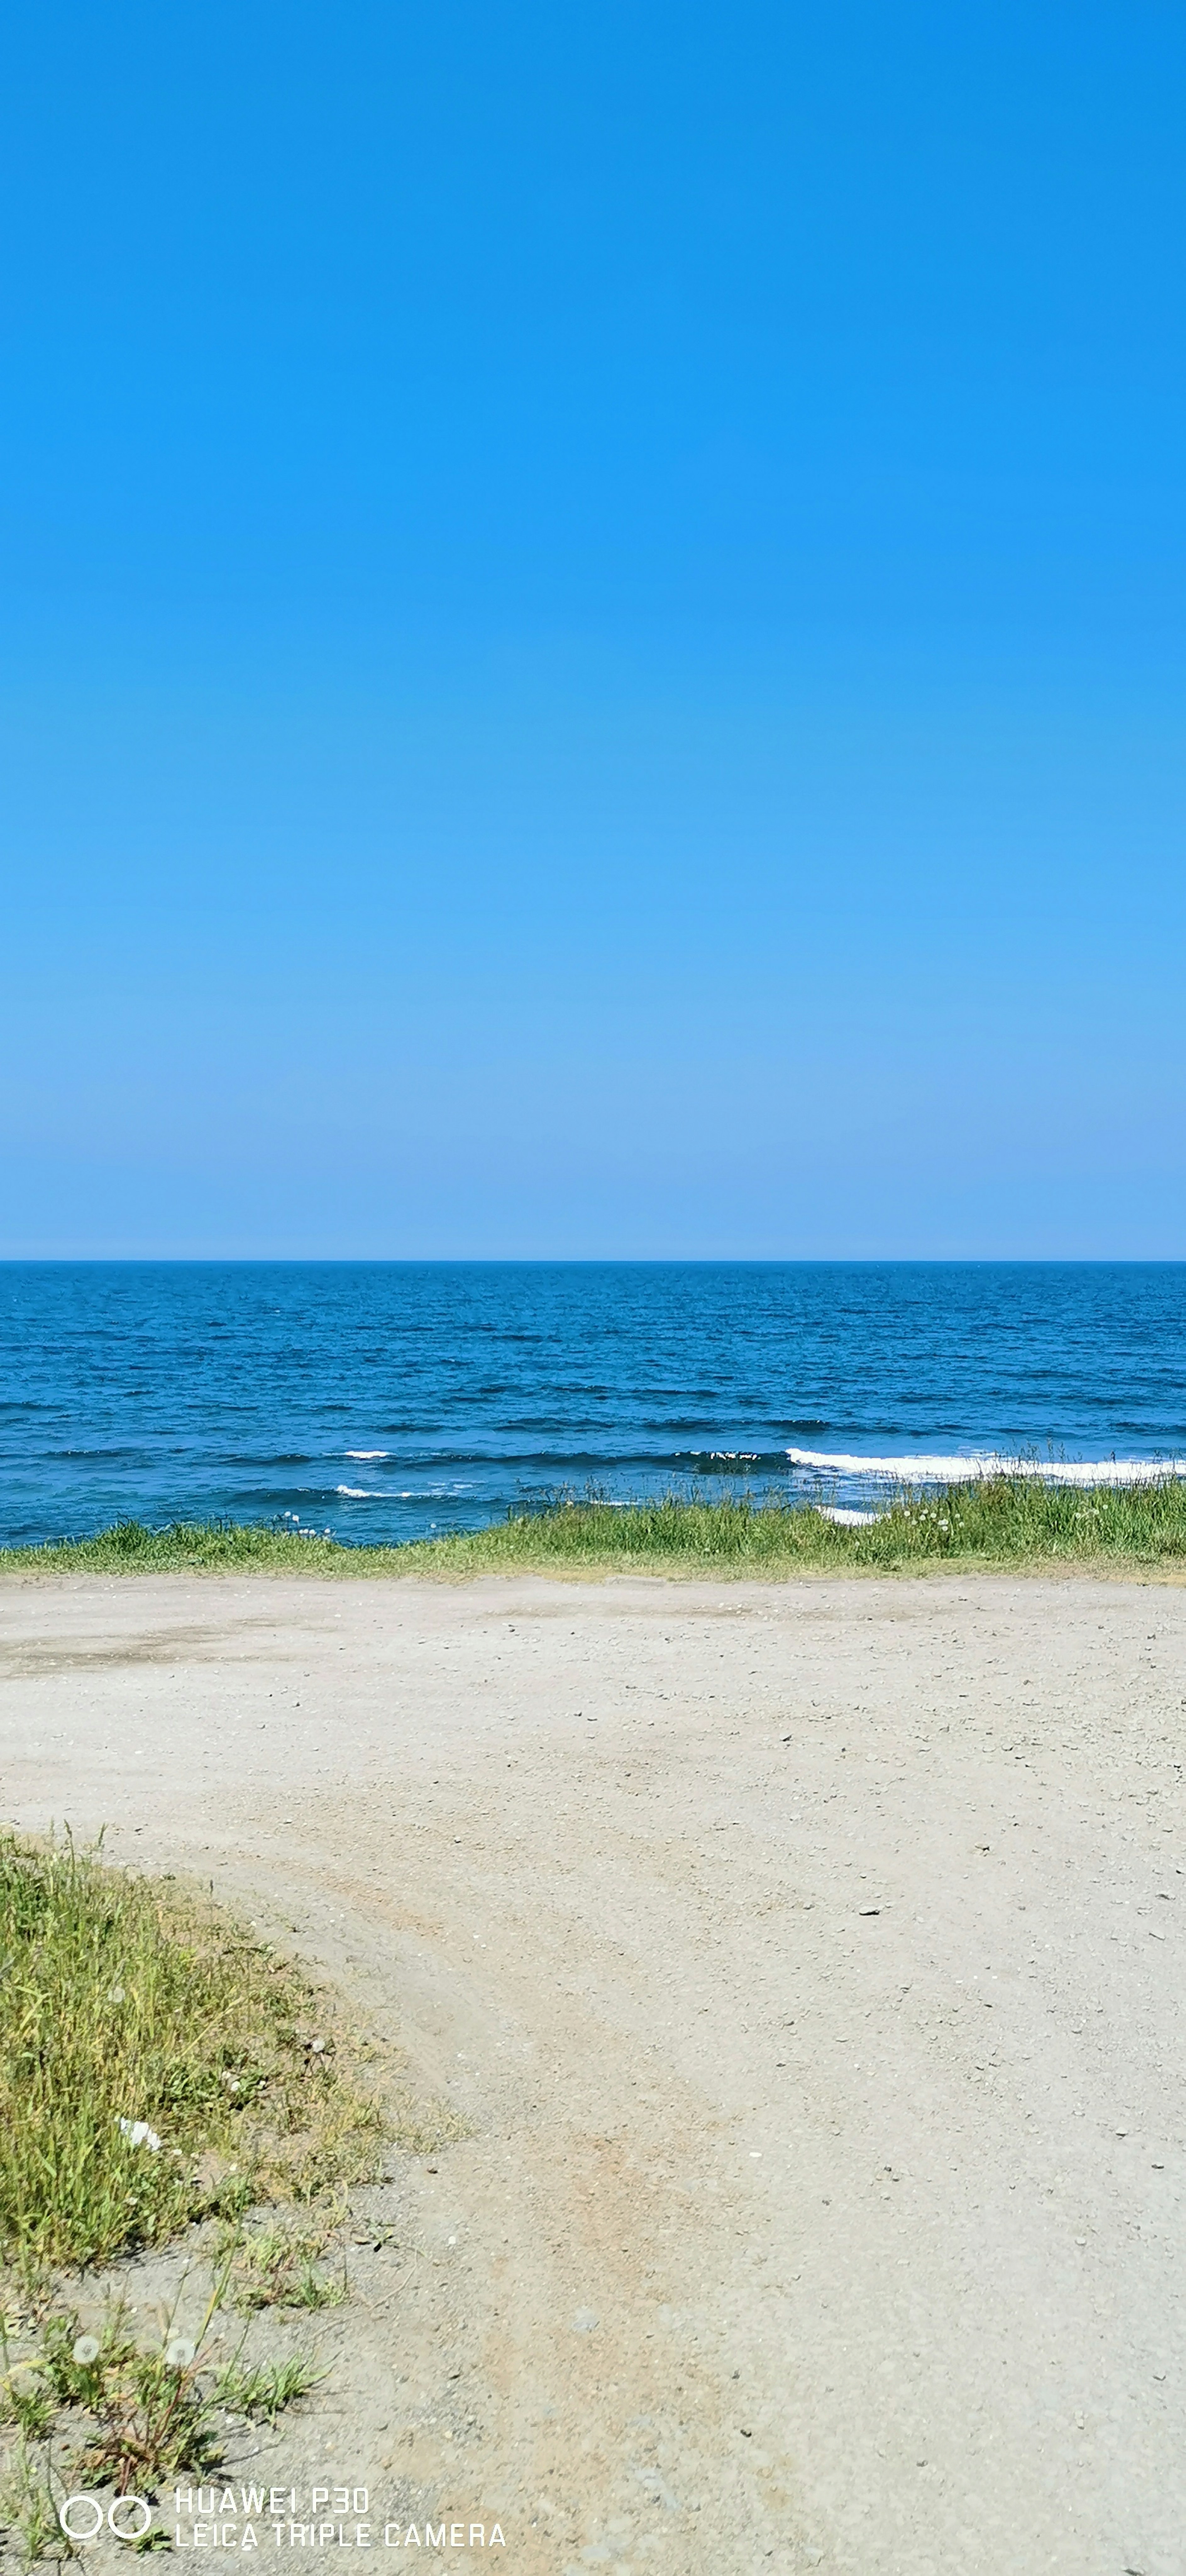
263	2389
29	2500
198	1547
157	2065
276	2266
152	2414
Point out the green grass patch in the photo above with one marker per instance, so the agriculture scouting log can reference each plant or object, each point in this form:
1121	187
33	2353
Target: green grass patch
1003	1520
202	1547
132	2014
263	2389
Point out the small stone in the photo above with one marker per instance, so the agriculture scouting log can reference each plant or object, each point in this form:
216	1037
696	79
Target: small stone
584	2321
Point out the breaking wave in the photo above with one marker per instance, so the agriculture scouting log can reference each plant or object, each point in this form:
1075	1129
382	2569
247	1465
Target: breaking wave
964	1467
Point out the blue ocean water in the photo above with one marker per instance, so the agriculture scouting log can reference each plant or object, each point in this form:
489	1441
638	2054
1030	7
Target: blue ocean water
382	1400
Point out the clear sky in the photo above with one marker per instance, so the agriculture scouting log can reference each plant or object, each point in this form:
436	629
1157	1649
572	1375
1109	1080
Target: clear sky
593	628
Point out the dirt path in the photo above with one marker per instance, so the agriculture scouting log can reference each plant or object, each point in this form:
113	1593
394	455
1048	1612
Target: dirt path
808	1962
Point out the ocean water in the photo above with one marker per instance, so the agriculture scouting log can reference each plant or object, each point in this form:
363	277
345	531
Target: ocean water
384	1400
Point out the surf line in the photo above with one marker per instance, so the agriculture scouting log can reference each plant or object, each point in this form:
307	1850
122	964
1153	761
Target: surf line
965	1468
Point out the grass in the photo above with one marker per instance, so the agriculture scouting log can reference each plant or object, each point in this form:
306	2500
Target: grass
1008	1520
1001	1521
29	2501
207	1547
158	2065
275	2266
95	2410
263	2389
131	2013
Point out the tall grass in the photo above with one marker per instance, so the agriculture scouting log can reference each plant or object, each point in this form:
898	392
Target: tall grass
1008	1520
156	2064
1003	1520
207	1547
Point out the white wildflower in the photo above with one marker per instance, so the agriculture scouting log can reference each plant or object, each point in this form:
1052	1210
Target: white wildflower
179	2352
86	2350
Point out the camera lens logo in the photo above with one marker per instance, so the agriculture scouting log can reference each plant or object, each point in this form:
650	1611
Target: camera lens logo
82	2517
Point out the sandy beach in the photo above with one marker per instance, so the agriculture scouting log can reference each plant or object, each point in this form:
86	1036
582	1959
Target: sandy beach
806	1962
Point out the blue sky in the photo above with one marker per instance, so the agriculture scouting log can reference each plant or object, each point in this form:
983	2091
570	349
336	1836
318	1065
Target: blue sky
592	629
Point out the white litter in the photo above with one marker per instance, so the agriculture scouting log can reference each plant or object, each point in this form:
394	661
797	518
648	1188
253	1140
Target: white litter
138	2134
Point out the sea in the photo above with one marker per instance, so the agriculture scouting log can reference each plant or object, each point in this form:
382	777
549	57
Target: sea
394	1400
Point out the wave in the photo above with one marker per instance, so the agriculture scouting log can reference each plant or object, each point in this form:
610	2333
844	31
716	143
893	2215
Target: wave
366	1453
963	1467
401	1494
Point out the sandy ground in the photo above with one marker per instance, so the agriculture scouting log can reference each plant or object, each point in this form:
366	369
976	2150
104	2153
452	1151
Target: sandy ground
807	1960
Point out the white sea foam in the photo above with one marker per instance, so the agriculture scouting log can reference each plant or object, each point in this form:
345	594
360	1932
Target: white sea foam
366	1453
359	1493
963	1468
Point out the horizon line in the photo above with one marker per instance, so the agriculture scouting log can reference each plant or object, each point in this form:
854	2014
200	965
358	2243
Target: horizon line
594	1260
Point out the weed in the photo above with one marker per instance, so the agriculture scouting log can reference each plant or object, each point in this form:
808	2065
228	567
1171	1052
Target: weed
275	2267
79	2365
151	2421
150	2414
264	2388
26	2400
313	2290
29	2506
